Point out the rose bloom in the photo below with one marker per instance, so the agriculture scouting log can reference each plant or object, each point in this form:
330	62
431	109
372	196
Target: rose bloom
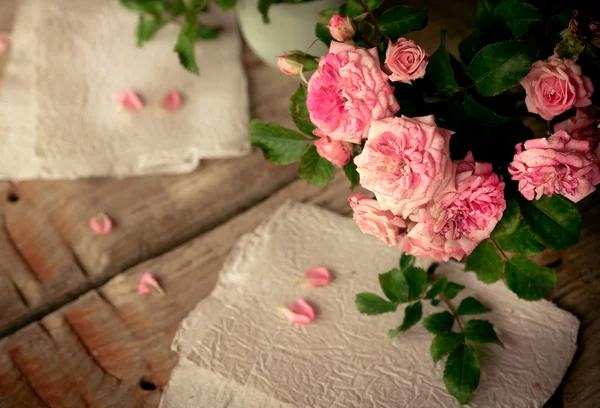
340	27
406	60
582	126
372	220
559	164
461	218
348	91
338	153
405	162
555	86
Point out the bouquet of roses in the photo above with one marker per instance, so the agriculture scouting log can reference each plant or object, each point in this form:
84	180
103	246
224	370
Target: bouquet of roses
446	149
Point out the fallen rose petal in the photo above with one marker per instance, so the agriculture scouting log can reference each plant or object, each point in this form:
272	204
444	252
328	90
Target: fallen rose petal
148	283
101	224
130	101
299	312
171	101
3	42
315	277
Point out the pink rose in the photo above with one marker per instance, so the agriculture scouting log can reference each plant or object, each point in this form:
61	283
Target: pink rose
348	91
338	153
559	164
555	86
460	219
406	60
341	27
405	162
582	126
372	220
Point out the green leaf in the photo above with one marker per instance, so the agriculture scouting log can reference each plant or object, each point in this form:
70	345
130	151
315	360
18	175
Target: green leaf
417	281
484	13
412	315
527	280
406	261
520	242
471	306
394	285
263	8
521	18
481	331
373	4
280	145
315	169
184	46
470	46
498	67
461	374
452	289
485	262
206	33
352	174
227	5
399	20
553	220
299	111
437	288
354	8
440	71
435	302
154	7
510	219
439	323
482	115
371	304
321	30
444	344
147	28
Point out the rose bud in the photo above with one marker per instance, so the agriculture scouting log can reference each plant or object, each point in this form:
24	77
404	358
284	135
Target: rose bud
341	27
293	63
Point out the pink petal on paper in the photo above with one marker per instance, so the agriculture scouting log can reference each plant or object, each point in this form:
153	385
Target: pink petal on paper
318	276
101	224
171	101
130	101
148	283
3	42
299	312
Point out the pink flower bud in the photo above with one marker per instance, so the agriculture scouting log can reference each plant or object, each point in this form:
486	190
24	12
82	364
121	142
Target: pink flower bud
172	101
337	152
101	224
148	283
293	63
315	277
299	312
130	101
341	27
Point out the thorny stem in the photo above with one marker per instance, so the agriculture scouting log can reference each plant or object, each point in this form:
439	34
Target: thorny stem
452	311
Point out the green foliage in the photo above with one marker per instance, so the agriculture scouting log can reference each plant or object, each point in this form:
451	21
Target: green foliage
437	288
452	289
498	67
299	112
471	306
227	5
527	280
554	221
263	8
184	47
440	71
352	174
399	20
315	169
481	331
485	262
470	46
439	323
444	344
406	261
280	145
482	115
461	375
321	30
354	8
371	304
521	241
206	33
521	18
147	28
510	219
394	285
154	7
417	282
412	315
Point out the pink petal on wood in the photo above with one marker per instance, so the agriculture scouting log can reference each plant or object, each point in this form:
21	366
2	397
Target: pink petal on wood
4	39
130	101
148	283
101	224
171	101
318	276
299	312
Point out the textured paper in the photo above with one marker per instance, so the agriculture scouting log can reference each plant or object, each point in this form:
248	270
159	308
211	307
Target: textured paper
242	347
70	61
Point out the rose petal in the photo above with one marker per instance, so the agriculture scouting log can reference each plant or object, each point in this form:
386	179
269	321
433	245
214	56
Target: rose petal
171	101
148	283
316	277
101	224
3	42
299	312
130	101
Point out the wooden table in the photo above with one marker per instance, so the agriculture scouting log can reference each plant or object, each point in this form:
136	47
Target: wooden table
75	332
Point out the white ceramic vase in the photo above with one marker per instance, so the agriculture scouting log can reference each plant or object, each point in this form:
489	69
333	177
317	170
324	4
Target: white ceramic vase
291	27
